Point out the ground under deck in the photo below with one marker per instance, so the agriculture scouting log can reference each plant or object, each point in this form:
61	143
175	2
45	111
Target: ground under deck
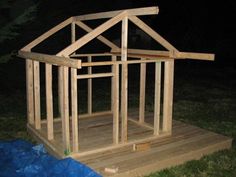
186	143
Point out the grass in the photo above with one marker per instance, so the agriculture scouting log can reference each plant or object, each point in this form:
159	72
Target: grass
203	97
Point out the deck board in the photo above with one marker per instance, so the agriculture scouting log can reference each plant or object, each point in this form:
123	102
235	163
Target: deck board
187	142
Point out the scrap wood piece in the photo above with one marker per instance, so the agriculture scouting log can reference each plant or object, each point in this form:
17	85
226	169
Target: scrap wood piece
141	146
111	169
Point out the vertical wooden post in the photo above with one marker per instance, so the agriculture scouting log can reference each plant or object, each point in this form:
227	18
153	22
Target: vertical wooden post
74	100
65	110
157	98
37	95
124	88
168	96
30	91
115	103
142	92
74	110
113	58
90	97
60	91
49	101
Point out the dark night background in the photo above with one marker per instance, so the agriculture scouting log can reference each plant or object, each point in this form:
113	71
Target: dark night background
196	26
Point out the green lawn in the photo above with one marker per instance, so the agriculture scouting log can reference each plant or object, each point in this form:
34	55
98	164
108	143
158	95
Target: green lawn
205	97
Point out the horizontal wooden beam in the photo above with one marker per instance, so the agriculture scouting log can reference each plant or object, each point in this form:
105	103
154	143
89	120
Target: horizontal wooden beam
196	56
50	59
159	54
138	11
91	55
98	75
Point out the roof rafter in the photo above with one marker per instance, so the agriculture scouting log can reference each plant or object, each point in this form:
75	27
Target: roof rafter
100	37
47	34
93	34
152	33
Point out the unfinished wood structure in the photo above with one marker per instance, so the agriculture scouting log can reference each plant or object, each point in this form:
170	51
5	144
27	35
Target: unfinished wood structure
118	130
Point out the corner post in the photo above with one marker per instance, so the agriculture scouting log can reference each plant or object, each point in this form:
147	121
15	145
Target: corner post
168	96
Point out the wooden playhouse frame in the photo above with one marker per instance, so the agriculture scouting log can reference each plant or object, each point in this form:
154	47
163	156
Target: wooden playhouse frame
68	140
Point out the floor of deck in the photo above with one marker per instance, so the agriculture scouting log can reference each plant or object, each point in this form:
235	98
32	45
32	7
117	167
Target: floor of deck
186	143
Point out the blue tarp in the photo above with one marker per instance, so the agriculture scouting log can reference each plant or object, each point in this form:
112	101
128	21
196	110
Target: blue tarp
20	158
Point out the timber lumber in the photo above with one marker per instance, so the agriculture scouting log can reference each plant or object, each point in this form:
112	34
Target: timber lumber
93	34
101	15
50	59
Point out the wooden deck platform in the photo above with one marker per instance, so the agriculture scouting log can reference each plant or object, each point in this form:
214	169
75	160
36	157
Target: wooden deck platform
186	143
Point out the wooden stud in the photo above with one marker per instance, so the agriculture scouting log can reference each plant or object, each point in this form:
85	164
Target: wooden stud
37	103
142	92
74	110
49	101
115	102
138	11
74	99
65	111
90	88
124	80
157	98
168	96
30	91
113	59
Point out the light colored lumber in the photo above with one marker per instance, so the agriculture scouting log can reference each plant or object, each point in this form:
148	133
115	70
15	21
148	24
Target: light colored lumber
29	91
90	87
152	33
60	90
157	98
124	81
99	75
90	54
107	63
65	110
147	56
96	32
111	170
47	34
37	104
74	99
115	102
138	11
167	54
100	37
73	32
146	52
50	59
113	59
49	101
142	92
197	56
168	96
74	110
